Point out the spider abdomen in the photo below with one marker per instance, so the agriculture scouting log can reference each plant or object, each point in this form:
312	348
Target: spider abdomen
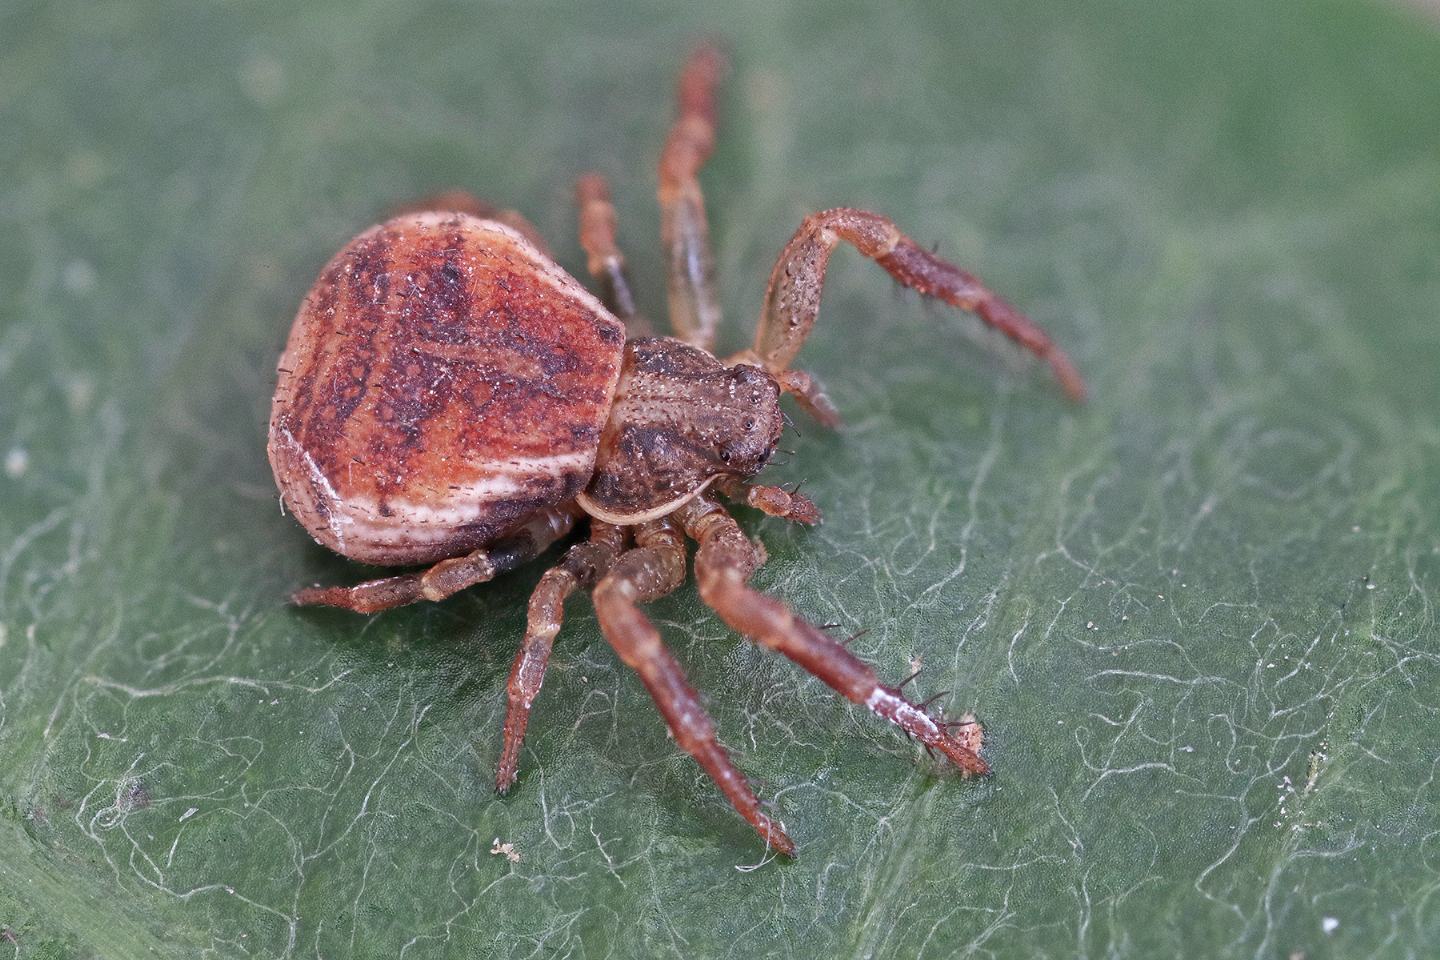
443	381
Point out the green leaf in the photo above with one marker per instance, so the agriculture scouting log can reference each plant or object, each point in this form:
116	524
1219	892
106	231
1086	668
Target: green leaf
1196	615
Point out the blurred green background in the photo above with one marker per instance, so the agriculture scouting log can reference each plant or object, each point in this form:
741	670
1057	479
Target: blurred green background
1196	615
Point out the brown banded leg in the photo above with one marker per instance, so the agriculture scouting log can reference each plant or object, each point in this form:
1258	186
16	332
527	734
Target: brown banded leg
792	298
447	576
694	308
810	395
724	562
368	597
775	501
462	202
654	568
582	565
602	253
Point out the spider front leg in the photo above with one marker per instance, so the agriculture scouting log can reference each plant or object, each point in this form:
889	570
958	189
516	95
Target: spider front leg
724	562
448	576
654	568
583	564
792	299
684	231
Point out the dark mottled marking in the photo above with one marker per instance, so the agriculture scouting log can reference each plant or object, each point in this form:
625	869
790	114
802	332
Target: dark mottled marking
439	354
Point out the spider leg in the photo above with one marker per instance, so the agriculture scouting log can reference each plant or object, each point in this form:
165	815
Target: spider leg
448	576
603	257
368	597
582	565
694	308
654	568
776	501
810	395
792	299
461	201
724	562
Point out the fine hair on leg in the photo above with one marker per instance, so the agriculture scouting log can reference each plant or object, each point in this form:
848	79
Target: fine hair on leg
792	298
724	562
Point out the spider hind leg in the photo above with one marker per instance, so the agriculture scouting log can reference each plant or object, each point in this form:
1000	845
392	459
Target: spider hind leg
447	577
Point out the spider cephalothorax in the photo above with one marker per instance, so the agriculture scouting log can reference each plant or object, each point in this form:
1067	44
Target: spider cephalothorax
681	420
451	397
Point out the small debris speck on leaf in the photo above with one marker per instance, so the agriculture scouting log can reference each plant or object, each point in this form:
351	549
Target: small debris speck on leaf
17	461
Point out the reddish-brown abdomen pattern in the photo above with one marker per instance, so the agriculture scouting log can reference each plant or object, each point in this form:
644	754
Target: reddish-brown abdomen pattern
443	381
